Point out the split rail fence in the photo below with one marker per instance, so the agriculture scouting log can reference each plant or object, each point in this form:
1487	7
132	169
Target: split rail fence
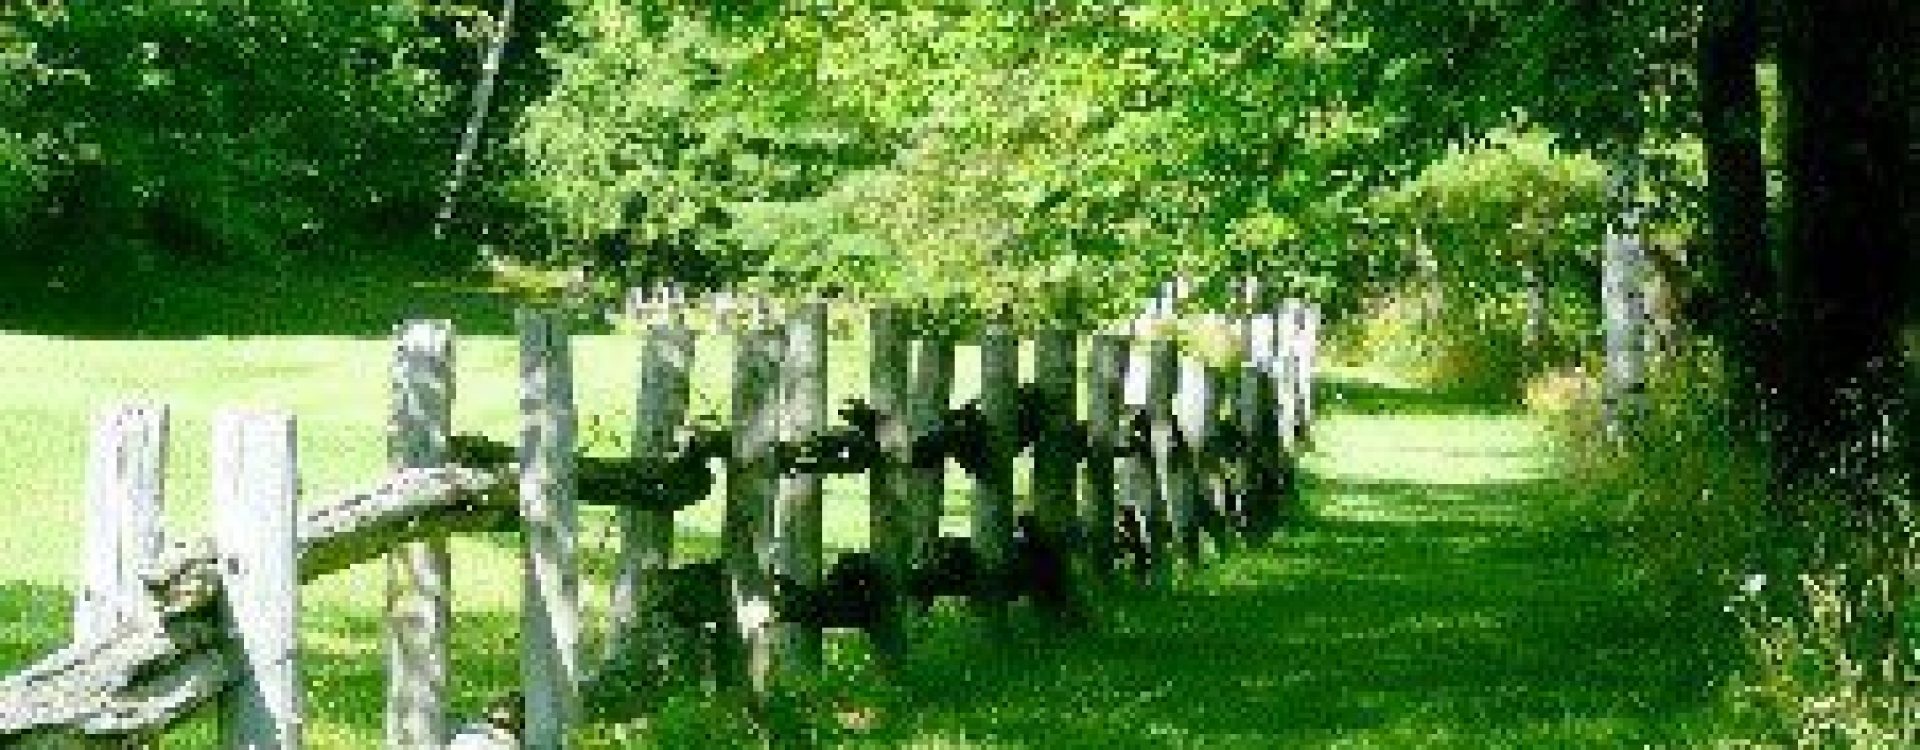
1167	450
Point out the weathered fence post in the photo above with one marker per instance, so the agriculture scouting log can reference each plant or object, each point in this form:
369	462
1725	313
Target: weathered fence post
637	617
550	614
1056	463
752	479
126	477
1259	501
1197	507
1106	405
932	390
1137	473
993	490
419	588
1304	362
887	379
1163	367
1283	368
798	557
255	497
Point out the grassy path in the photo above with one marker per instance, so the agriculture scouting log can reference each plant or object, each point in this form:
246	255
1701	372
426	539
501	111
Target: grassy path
1428	603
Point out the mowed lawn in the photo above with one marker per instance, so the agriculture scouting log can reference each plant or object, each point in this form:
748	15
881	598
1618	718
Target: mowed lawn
336	386
1436	595
1430	597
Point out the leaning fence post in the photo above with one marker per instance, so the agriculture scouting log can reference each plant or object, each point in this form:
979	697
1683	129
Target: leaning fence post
1137	472
993	500
125	488
1056	461
887	377
797	513
550	614
1195	507
419	592
932	389
646	549
1106	403
747	529
1283	367
1303	368
255	488
1163	367
1258	489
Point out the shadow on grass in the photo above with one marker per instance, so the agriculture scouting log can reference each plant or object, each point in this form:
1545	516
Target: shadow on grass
1354	395
1403	627
363	297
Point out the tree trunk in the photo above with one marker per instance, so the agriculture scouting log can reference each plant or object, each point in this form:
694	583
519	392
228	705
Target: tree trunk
1622	263
1740	290
1848	263
1534	331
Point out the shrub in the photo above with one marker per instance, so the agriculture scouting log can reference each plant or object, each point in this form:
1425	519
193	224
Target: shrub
1475	345
1819	598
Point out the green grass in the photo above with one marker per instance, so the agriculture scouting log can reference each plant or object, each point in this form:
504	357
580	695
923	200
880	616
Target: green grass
1425	604
1432	597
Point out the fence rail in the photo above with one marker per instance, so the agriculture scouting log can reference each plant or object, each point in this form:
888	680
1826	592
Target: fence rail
1171	447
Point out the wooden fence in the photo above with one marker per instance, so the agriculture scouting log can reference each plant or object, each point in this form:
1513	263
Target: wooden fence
1172	450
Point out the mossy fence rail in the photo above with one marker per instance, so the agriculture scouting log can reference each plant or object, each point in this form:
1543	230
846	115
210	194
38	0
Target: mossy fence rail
1167	448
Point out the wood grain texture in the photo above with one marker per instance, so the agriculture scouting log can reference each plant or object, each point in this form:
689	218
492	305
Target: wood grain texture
255	484
549	511
419	605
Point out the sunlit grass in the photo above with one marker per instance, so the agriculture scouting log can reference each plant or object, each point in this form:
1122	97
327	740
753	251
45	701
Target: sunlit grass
1423	602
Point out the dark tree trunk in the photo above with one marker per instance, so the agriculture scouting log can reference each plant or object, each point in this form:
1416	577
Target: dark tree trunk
1740	294
1848	260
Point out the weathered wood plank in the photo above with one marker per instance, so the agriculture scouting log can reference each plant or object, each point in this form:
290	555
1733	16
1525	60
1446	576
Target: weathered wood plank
647	536
1106	370
798	552
1138	474
992	521
155	668
96	605
1163	370
747	529
255	492
1055	463
419	584
1306	364
125	491
549	510
1283	367
1193	508
1254	409
932	391
887	379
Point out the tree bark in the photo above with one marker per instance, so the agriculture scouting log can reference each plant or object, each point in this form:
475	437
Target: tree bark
1849	268
1741	289
1622	263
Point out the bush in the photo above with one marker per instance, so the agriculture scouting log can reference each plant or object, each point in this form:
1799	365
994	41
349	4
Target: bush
1476	346
1820	599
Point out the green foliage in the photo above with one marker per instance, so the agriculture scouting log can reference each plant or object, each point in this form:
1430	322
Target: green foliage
22	176
1819	598
1474	345
239	130
1494	254
1045	159
1509	199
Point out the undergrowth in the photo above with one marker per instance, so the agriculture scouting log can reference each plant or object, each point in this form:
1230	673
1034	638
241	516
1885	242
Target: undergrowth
1818	597
1474	346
